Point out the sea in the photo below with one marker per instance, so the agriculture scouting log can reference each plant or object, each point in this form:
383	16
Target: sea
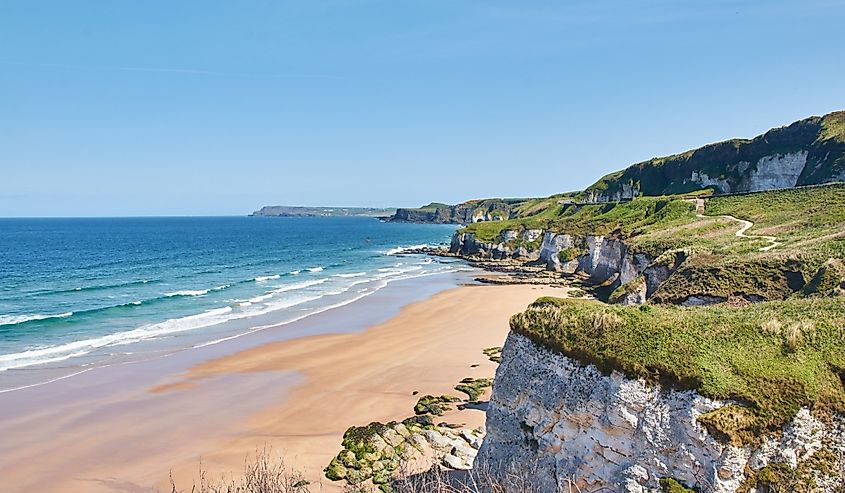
82	293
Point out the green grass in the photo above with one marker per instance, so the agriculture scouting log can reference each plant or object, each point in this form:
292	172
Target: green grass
629	218
772	358
833	127
792	215
755	277
434	206
809	222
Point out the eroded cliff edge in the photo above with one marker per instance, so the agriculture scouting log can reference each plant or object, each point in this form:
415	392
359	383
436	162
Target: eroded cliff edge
717	366
679	250
575	424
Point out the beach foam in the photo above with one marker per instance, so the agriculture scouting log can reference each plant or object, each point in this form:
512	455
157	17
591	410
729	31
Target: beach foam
401	249
79	348
19	319
187	292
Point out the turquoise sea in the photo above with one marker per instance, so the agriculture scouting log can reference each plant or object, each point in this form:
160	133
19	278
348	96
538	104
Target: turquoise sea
78	293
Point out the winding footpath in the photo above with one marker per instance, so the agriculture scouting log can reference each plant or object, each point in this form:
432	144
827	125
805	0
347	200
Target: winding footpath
746	225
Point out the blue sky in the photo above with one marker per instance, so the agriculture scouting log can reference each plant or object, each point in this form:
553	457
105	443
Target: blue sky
216	107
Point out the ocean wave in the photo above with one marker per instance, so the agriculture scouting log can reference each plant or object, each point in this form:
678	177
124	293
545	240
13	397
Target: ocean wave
96	287
20	319
354	274
295	272
315	269
187	292
267	278
280	289
259	299
75	349
53	354
295	319
397	250
299	285
397	271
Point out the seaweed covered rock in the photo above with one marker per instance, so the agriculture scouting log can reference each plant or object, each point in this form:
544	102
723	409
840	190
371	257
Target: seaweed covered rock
473	387
372	454
436	405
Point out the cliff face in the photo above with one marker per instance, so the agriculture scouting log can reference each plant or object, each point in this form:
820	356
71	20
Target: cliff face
465	213
603	260
807	152
575	424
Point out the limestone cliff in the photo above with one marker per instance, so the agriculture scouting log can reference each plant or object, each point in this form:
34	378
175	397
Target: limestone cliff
807	152
469	212
602	260
582	428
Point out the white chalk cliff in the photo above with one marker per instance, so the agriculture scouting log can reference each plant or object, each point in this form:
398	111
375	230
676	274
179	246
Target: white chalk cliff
582	428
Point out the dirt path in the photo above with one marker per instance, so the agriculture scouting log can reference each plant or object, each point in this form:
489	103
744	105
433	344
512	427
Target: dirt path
745	226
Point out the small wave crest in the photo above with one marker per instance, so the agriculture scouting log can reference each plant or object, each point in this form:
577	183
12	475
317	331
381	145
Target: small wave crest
353	274
267	278
315	269
74	349
20	319
299	285
398	250
187	292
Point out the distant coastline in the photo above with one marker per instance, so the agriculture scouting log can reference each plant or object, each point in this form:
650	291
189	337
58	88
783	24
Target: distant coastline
301	211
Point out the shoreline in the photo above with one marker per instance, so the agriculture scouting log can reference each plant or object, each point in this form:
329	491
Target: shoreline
21	379
226	402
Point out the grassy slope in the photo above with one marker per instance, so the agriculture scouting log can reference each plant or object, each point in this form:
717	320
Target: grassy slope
773	357
628	218
822	137
796	217
810	224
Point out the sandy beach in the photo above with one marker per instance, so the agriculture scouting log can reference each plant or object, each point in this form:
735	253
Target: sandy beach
296	396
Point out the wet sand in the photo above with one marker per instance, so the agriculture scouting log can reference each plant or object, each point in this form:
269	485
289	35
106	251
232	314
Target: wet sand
296	396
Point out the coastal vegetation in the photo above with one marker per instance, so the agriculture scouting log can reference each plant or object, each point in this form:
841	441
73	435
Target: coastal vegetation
264	473
375	455
730	165
703	252
768	359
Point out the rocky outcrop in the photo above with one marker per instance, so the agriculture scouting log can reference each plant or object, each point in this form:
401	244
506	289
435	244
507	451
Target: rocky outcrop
374	453
807	152
519	245
602	260
625	191
575	424
469	212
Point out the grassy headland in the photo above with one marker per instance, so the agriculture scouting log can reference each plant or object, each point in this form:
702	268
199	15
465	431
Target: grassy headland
809	224
770	358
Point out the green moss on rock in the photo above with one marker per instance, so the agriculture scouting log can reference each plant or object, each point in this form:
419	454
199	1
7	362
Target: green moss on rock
436	405
493	353
779	477
671	485
473	387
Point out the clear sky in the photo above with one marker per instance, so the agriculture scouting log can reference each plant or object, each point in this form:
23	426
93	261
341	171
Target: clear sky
118	107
